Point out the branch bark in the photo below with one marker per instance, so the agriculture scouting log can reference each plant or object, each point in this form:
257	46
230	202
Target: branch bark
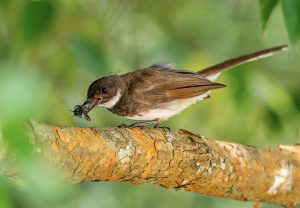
179	160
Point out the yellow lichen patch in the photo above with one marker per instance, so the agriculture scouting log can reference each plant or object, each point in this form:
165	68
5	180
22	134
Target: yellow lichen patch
83	142
147	149
71	145
147	171
64	137
145	143
81	131
96	143
54	146
105	171
94	147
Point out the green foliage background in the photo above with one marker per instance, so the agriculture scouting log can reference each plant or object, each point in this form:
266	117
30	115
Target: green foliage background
50	51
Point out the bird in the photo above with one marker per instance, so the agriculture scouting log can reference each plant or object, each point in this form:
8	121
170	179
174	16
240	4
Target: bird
158	92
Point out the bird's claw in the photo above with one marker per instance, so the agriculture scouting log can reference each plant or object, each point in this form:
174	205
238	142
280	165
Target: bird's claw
134	125
165	128
137	125
143	125
123	126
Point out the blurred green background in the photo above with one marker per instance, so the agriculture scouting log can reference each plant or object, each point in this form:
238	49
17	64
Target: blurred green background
50	52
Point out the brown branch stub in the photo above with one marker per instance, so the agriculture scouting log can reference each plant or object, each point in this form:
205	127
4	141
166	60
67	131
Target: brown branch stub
176	160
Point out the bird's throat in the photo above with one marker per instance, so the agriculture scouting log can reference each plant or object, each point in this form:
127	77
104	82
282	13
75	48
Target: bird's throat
112	101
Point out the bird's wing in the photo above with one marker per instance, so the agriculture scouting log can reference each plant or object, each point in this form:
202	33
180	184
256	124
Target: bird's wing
164	85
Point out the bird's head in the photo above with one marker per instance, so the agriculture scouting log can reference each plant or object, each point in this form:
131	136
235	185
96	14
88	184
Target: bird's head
105	92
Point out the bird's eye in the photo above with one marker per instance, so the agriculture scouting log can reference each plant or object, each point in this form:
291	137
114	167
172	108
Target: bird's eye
104	90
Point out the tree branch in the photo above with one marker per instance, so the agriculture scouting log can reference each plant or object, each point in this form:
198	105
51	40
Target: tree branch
179	160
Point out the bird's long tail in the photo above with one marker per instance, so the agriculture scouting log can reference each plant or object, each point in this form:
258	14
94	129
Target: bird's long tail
213	72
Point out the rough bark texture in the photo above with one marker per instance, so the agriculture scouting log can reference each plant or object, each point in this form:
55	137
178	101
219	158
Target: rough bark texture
175	160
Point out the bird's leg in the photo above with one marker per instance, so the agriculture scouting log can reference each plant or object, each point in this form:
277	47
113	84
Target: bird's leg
157	125
141	124
138	124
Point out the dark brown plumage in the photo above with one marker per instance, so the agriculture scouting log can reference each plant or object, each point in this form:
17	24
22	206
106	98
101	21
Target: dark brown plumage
160	91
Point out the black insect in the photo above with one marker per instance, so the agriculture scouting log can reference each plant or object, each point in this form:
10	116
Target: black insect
80	110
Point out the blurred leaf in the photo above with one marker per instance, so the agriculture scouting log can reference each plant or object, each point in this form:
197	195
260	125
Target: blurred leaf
5	199
13	191
4	2
44	182
266	8
35	19
89	54
22	92
273	119
291	13
16	136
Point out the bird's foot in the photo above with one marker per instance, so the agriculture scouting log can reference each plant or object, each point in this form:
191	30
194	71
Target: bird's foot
165	128
134	125
138	125
123	126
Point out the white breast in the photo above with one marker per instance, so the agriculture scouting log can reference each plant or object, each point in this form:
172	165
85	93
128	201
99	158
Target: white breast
168	109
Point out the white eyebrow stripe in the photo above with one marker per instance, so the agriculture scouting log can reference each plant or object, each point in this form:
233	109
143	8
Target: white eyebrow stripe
113	101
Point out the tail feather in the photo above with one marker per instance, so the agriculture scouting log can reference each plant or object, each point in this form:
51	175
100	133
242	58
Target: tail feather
213	72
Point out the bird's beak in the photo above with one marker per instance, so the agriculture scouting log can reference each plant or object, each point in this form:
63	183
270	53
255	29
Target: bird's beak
89	104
